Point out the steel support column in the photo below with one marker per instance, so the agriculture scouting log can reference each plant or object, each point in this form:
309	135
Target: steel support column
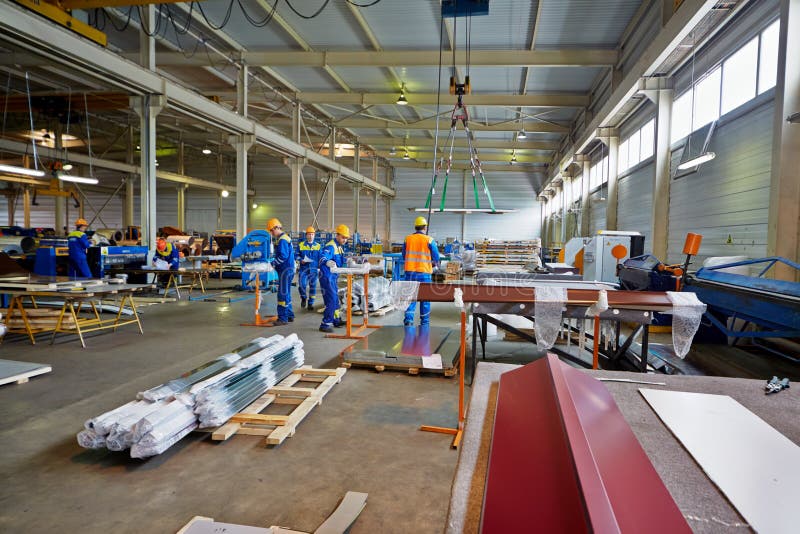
296	167
127	204
357	157
610	138
660	91
242	144
149	105
181	189
26	206
784	200
241	90
375	215
585	188
60	202
356	206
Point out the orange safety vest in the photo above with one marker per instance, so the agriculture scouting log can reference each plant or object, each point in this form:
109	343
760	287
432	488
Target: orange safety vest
418	254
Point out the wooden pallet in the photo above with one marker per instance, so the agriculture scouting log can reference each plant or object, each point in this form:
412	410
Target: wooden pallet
276	428
412	370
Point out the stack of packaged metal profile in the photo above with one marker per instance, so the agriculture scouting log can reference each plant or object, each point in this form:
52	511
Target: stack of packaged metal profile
204	397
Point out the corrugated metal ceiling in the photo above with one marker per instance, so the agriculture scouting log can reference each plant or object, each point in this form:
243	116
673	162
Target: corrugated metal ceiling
584	23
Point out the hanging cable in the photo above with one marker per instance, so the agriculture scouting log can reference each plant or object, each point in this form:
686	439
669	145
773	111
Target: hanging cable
30	115
363	5
171	18
308	17
438	104
224	20
260	23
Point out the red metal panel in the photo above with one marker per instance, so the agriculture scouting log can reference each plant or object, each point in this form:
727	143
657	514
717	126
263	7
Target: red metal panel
644	300
563	459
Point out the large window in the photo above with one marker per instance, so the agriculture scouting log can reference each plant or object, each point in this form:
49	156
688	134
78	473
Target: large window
706	99
639	146
768	62
751	70
739	77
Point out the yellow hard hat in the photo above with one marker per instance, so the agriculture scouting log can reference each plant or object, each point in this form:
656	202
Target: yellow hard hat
272	223
81	222
420	221
343	230
311	230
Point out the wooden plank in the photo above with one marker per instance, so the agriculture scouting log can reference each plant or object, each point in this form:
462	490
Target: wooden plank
259	418
293	391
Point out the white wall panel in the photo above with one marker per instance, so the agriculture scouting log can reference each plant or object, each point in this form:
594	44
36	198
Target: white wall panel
635	202
597	211
727	199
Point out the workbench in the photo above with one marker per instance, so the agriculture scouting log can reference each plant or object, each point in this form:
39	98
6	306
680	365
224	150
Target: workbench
74	299
173	277
705	508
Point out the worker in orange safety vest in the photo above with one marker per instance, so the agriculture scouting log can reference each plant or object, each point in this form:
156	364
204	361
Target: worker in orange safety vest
420	256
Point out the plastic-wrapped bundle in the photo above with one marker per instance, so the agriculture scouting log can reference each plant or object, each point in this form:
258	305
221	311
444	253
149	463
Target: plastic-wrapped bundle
215	405
121	435
403	293
184	382
379	294
547	314
468	259
145	451
103	423
164	422
89	439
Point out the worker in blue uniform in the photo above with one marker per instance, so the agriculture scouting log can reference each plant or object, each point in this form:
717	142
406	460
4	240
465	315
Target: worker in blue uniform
78	243
332	256
420	256
309	252
284	265
167	252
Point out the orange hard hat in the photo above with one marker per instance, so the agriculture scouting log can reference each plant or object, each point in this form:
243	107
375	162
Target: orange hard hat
311	230
161	244
81	222
342	229
273	223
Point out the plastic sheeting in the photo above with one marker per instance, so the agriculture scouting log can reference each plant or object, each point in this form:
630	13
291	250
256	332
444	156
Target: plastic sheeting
379	294
548	308
403	293
687	311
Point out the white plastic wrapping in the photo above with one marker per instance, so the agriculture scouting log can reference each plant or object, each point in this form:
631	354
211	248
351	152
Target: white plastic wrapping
548	308
257	267
403	293
687	311
458	298
362	268
145	451
88	439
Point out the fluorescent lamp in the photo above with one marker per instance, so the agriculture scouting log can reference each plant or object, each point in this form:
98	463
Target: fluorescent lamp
522	135
225	193
76	179
697	161
206	150
13	169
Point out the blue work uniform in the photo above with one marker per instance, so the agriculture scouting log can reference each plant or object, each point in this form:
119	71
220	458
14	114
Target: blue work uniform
170	255
420	254
78	243
309	251
329	282
284	265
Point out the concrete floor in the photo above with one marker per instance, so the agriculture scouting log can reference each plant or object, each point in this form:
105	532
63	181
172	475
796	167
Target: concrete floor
364	437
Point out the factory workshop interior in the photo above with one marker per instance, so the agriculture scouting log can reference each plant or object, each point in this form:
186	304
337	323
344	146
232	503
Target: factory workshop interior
295	266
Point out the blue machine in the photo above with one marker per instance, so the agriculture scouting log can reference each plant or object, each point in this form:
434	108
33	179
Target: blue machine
772	305
256	247
103	259
52	257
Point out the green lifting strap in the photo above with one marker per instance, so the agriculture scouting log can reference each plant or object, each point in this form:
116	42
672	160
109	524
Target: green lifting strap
475	190
444	190
431	190
488	194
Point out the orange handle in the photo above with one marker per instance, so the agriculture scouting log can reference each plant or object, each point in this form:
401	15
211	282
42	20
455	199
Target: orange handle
692	244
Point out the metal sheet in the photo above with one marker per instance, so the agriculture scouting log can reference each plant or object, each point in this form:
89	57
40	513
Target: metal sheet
564	459
398	345
13	371
754	465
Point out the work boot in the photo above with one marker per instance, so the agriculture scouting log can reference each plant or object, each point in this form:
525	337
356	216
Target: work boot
311	307
326	329
291	319
302	303
280	322
339	324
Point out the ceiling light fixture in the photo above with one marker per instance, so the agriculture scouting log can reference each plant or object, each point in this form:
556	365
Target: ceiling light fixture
401	100
206	150
224	193
406	156
522	135
76	179
393	151
255	205
13	169
697	161
513	158
67	166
